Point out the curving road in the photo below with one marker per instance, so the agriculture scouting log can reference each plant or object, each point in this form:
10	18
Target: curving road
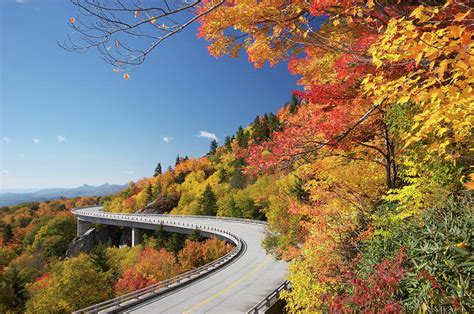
234	288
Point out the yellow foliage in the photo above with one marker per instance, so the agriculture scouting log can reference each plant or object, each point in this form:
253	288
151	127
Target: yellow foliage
340	190
68	289
440	86
120	259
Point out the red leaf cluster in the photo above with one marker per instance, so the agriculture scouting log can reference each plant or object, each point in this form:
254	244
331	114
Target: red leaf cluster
375	294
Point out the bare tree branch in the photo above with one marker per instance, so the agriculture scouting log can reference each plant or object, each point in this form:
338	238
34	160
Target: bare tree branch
125	33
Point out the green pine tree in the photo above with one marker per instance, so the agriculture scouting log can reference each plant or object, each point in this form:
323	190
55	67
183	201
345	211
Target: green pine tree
242	137
7	233
232	209
98	255
157	189
274	122
161	237
228	143
149	193
208	202
257	129
212	147
294	104
175	243
157	170
195	235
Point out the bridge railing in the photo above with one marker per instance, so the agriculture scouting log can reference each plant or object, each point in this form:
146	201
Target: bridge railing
244	220
269	300
169	284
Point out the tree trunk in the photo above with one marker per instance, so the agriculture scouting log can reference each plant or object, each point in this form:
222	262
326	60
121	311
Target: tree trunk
390	166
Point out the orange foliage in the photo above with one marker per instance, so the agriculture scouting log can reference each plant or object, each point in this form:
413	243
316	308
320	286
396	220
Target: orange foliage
152	266
193	164
191	256
195	254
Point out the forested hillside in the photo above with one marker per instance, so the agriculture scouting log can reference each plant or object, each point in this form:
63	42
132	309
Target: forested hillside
33	237
35	276
365	175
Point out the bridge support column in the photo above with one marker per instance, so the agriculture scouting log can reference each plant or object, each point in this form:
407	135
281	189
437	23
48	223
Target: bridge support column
82	227
137	236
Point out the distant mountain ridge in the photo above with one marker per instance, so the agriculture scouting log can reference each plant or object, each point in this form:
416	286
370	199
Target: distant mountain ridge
8	199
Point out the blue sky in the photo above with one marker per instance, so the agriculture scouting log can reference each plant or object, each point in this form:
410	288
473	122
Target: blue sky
68	119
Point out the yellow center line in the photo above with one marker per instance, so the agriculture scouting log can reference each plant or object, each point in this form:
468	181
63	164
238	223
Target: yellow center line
232	285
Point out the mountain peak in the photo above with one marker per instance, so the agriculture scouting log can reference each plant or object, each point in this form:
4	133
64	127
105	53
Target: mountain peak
49	194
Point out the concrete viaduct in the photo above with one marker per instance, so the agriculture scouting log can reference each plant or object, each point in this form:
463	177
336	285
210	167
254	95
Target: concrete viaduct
247	280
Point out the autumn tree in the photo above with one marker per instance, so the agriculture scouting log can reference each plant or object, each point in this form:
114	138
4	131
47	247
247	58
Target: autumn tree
20	272
66	289
191	256
120	259
54	237
214	248
152	266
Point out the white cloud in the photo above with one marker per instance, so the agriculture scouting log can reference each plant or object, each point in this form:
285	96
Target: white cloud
36	140
6	139
130	172
167	139
206	134
61	138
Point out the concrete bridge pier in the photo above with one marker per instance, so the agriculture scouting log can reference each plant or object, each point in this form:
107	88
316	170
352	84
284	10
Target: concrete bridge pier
137	236
82	227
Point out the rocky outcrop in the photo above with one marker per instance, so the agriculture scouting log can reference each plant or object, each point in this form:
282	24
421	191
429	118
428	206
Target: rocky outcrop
125	237
107	235
163	204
